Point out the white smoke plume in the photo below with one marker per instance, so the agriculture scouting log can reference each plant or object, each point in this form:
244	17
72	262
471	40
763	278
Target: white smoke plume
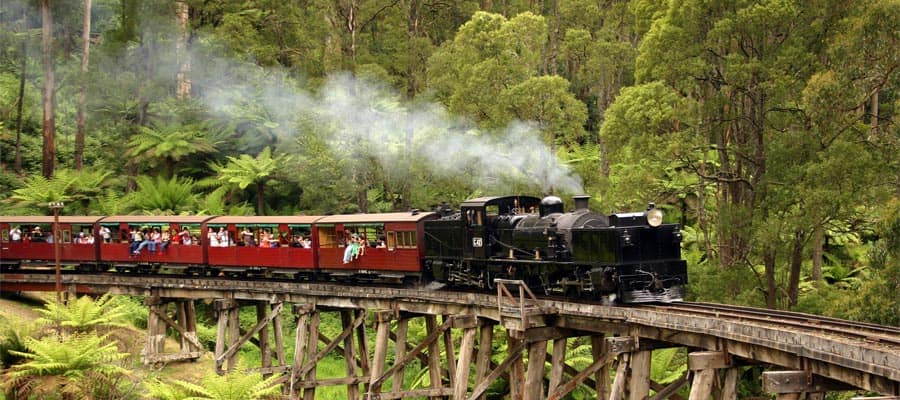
367	116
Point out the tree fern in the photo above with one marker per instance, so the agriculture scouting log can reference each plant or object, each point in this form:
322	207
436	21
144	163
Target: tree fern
64	362
239	384
161	196
84	314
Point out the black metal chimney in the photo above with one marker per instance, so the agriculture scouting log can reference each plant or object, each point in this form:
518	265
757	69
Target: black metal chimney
581	202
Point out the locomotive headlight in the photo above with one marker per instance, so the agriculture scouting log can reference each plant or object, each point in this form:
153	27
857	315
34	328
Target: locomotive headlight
654	217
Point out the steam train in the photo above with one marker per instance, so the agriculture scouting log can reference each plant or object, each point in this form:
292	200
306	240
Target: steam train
626	257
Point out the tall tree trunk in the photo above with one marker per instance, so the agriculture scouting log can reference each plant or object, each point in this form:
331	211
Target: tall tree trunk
553	39
260	199
19	105
796	264
49	98
183	89
874	107
413	68
818	252
771	286
82	93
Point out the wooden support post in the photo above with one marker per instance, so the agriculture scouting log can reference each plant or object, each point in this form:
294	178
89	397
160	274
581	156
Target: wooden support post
379	357
154	346
485	349
467	344
557	364
600	346
300	342
617	391
434	355
362	347
278	327
234	335
349	354
516	369
534	379
449	351
639	376
399	354
261	318
225	310
702	384
311	353
729	385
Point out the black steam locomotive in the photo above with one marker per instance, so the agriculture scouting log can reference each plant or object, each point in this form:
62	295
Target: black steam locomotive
629	258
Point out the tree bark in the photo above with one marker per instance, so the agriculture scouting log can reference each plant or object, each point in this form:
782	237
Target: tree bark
183	88
553	39
49	98
19	105
771	287
818	252
82	93
796	264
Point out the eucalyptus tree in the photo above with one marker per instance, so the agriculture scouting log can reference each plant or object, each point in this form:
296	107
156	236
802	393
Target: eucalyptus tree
489	54
754	117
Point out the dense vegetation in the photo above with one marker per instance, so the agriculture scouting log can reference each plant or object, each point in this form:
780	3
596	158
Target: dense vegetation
767	128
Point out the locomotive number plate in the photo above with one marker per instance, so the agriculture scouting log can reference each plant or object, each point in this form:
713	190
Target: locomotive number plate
477	242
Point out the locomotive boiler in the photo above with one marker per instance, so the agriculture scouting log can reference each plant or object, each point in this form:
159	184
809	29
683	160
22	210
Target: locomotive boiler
626	257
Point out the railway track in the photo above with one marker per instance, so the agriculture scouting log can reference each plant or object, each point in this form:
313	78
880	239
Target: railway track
791	320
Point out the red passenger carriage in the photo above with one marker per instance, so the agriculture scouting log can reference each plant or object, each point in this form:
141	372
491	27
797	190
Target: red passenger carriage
179	253
389	245
279	245
34	241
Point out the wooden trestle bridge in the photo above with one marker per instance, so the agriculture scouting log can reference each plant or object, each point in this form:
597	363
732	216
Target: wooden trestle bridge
804	356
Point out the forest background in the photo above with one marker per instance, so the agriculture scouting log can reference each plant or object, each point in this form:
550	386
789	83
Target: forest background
768	129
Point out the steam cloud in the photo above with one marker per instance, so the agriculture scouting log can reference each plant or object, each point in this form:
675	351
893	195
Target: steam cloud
364	116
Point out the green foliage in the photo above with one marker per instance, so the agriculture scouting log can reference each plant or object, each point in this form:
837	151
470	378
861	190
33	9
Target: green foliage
245	170
168	144
13	332
162	196
239	384
84	314
72	359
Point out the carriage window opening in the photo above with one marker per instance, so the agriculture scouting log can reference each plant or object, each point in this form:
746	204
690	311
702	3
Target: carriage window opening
373	233
4	236
492	210
406	239
327	237
391	240
301	236
66	236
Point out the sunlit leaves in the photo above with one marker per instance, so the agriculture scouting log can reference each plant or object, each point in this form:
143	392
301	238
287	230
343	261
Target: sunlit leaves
84	314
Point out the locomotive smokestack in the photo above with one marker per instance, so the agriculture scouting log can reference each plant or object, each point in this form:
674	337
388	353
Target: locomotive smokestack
581	202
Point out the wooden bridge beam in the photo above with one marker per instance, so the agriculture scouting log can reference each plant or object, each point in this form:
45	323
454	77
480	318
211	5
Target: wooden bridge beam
799	384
